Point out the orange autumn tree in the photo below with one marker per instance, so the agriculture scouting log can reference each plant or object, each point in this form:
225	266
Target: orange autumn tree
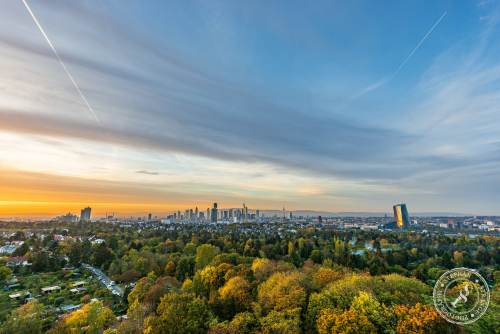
420	319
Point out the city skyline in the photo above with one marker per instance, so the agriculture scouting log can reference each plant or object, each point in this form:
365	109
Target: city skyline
194	212
131	108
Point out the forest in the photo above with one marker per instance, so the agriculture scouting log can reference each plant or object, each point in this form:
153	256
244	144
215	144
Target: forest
260	279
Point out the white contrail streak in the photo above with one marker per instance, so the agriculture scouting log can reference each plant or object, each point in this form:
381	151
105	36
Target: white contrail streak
62	63
386	79
419	43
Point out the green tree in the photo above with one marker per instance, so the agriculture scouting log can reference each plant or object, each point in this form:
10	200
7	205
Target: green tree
244	323
204	255
40	262
284	322
180	313
5	273
185	268
102	255
75	253
316	256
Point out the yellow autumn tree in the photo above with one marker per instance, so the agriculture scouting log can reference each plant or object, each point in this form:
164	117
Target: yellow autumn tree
91	318
26	319
365	315
324	276
331	321
282	291
236	294
264	268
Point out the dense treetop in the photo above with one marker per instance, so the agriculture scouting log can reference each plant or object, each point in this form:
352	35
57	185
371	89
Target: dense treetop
249	279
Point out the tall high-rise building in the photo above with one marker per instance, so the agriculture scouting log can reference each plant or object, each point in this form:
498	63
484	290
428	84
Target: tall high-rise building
196	213
85	214
401	215
244	211
213	215
149	217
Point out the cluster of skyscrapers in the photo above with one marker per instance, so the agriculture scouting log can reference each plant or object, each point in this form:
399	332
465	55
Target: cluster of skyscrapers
215	214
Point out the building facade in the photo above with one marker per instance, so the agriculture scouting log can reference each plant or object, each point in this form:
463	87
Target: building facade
401	215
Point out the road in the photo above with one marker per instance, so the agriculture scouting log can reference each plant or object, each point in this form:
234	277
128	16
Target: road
105	280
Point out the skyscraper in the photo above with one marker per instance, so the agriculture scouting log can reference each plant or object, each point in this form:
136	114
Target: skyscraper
213	215
401	215
85	214
244	210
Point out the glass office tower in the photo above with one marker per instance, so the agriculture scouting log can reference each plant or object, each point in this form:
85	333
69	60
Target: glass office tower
401	215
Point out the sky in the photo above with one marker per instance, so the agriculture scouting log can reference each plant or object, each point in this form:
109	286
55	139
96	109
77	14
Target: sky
342	106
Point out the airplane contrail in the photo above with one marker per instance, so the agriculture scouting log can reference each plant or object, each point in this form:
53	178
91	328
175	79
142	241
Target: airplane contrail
386	79
403	63
62	63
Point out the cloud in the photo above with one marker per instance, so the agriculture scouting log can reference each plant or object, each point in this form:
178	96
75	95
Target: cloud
146	172
175	106
327	147
157	95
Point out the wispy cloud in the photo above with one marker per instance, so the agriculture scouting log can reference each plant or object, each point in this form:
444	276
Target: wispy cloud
163	104
147	172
